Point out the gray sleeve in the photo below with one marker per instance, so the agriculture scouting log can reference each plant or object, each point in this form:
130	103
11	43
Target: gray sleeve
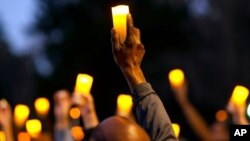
151	114
62	135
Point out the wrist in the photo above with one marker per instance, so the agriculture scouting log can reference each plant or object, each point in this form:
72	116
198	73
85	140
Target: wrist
8	130
61	124
7	126
90	120
184	103
134	76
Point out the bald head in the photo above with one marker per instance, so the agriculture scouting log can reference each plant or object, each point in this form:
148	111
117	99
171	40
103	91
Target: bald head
118	128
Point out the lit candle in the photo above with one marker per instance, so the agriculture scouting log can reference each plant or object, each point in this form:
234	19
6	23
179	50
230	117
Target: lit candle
176	77
240	94
21	114
42	106
34	127
119	14
23	136
2	136
77	133
83	83
177	129
124	105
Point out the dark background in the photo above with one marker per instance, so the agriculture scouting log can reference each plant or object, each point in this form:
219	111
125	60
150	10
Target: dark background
210	43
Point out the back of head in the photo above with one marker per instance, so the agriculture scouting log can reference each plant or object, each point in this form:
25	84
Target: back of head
117	128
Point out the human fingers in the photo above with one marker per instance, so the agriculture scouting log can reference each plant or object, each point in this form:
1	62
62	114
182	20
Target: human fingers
115	39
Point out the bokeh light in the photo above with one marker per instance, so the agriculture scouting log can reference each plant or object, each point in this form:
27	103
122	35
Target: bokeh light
77	133
42	106
221	115
23	136
21	114
83	83
176	77
240	94
74	113
34	127
124	104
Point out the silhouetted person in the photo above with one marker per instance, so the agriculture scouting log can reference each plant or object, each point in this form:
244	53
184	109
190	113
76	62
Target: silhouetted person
6	118
62	103
218	131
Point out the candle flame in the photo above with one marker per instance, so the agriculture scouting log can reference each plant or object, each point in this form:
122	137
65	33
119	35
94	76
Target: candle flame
33	127
21	114
239	95
176	77
83	83
177	129
42	106
124	104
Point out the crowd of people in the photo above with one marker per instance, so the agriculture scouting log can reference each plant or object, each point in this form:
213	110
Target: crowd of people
153	120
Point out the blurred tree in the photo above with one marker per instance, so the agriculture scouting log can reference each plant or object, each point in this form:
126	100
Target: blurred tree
16	75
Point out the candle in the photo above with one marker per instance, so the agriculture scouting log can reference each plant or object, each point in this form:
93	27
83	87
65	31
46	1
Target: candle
2	136
34	127
177	129
21	114
77	133
176	77
119	14
83	83
124	105
42	106
23	136
240	94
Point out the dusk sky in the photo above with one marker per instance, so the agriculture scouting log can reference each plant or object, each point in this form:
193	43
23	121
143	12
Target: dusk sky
16	16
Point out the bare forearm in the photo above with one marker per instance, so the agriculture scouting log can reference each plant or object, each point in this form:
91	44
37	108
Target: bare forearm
90	121
134	77
9	133
151	113
240	119
195	120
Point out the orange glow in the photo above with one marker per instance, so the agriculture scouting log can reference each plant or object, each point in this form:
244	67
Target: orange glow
177	129
77	133
83	83
21	114
176	77
23	136
2	136
74	113
239	95
119	15
42	106
34	127
221	115
124	104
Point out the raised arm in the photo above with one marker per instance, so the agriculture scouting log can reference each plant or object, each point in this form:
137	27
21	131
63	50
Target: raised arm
150	111
195	120
87	108
6	120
